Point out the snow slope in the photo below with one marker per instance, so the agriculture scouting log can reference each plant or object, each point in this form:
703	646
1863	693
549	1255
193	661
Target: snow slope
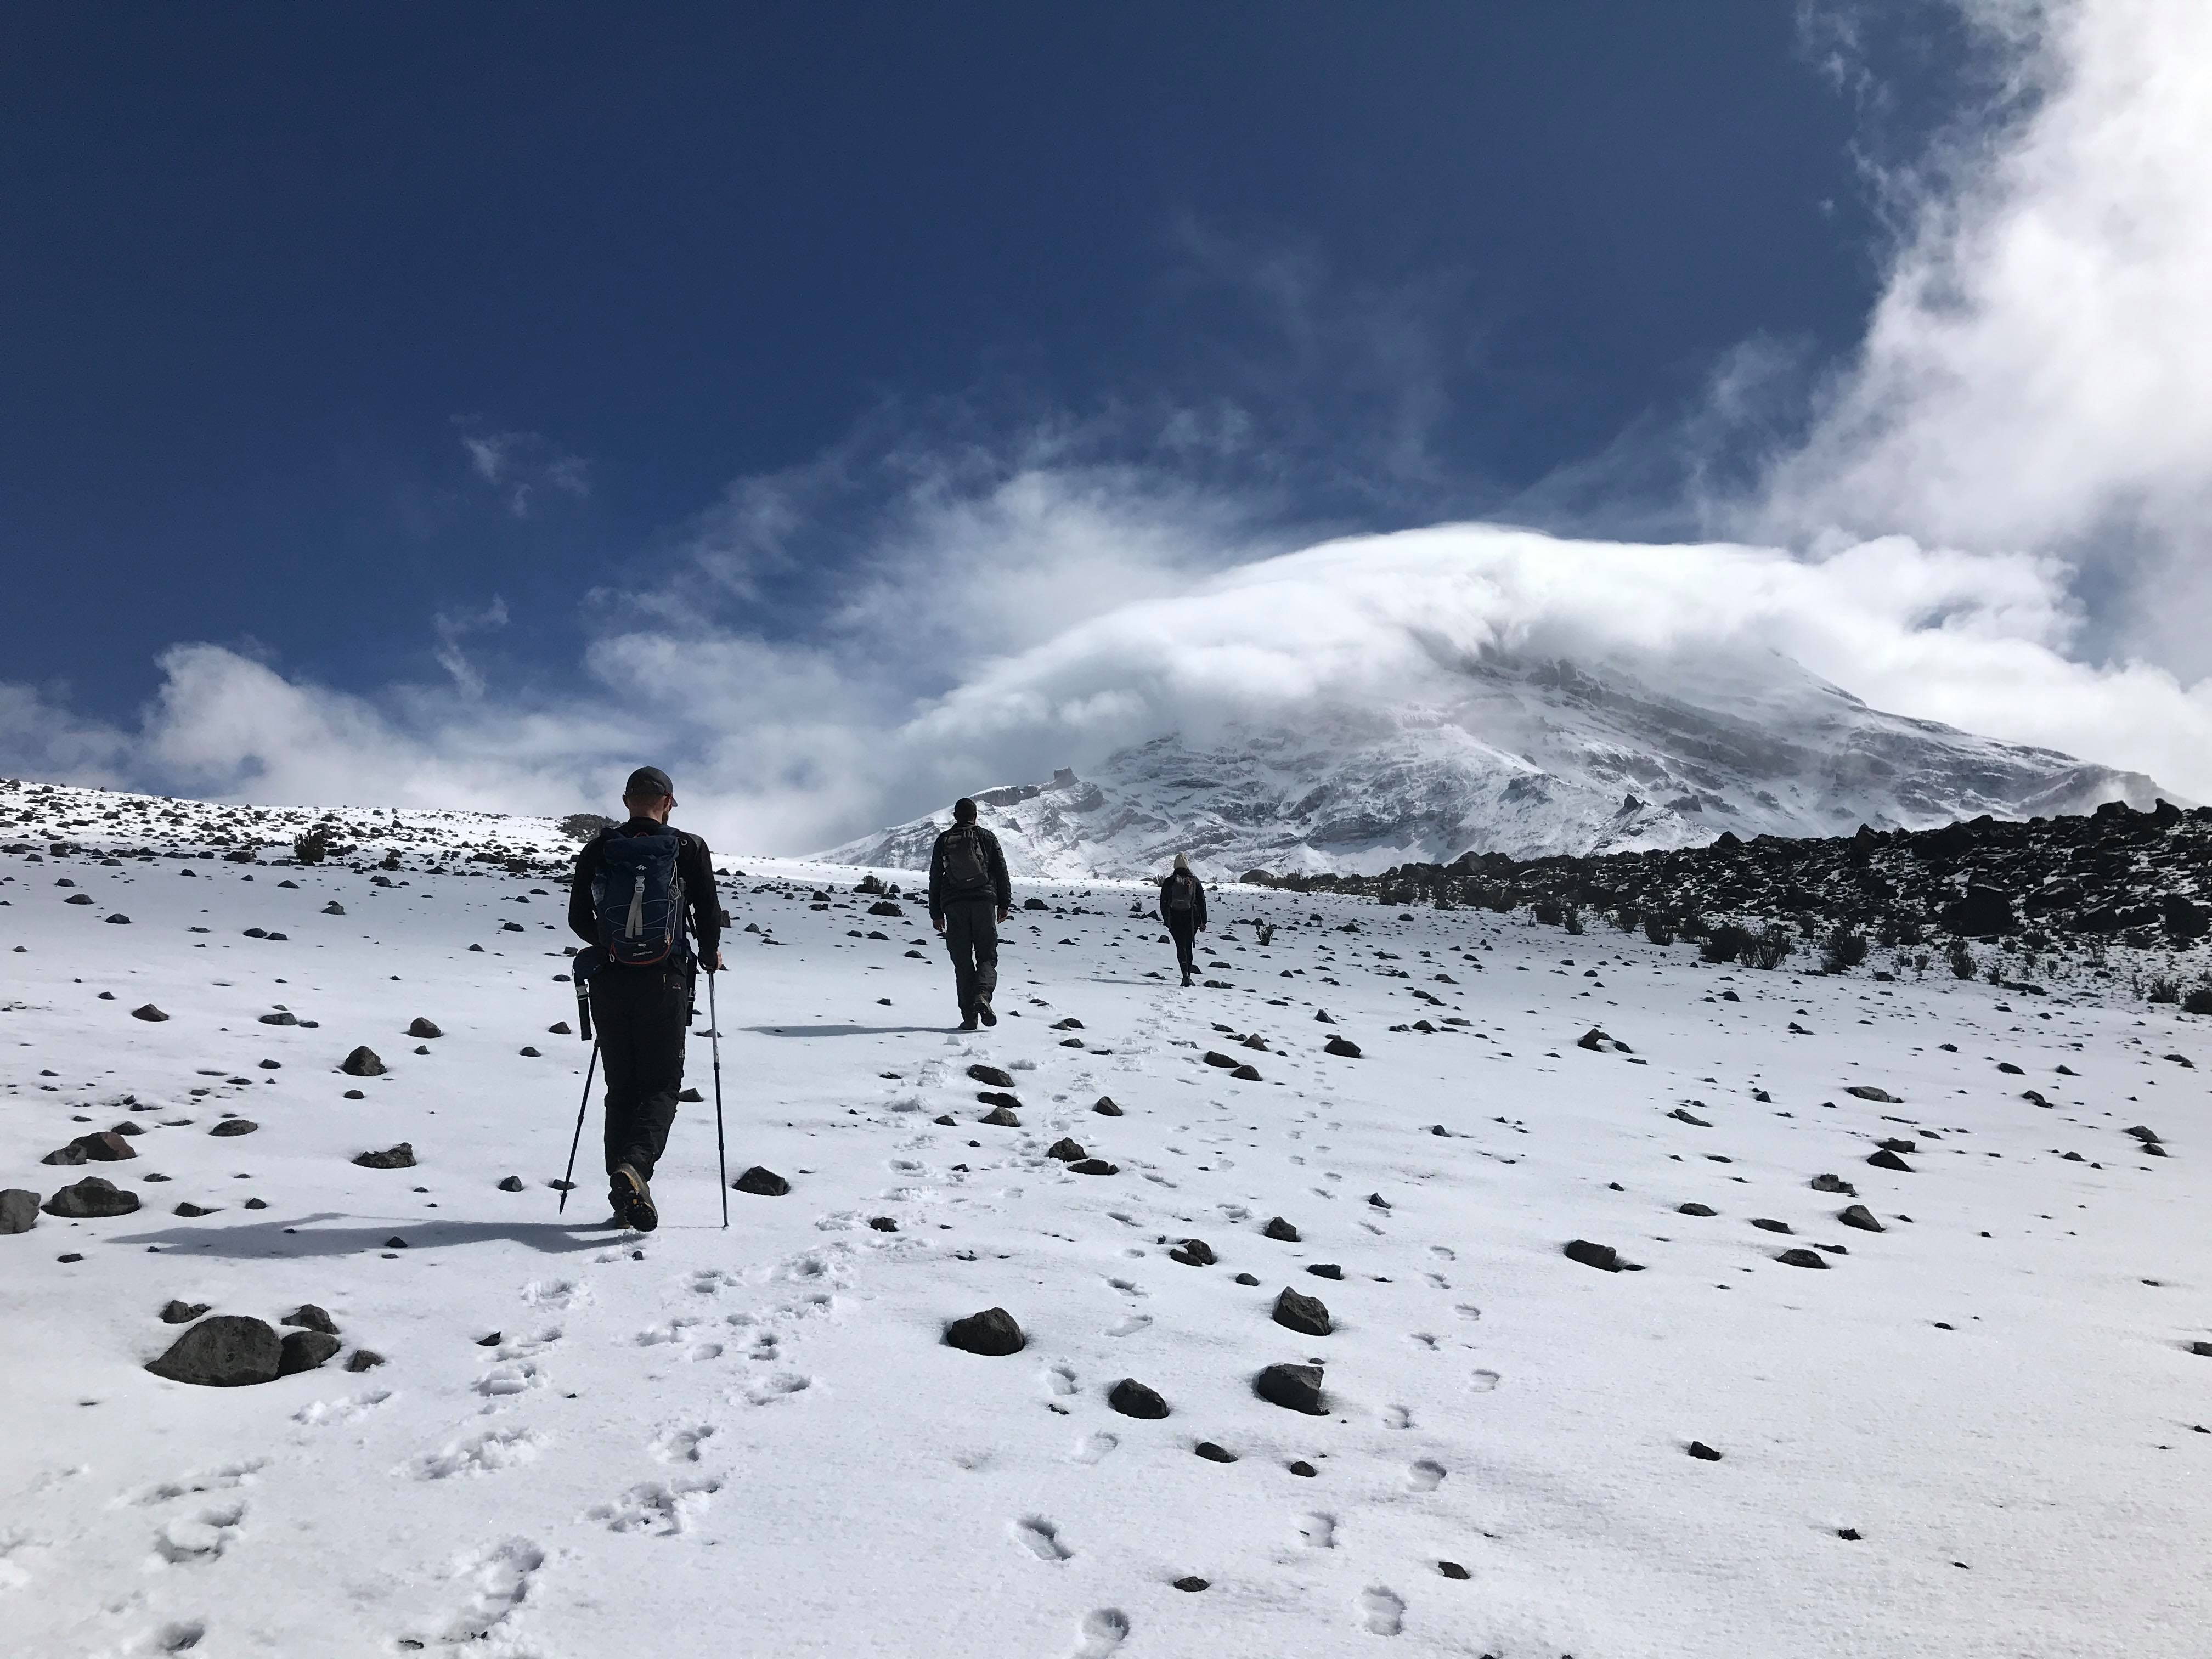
752	1441
1524	757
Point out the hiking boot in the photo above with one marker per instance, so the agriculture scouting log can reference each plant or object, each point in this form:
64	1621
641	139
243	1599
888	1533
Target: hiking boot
632	1199
967	1021
984	1009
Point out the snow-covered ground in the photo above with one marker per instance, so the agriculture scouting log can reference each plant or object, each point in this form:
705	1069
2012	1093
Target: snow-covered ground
1975	1434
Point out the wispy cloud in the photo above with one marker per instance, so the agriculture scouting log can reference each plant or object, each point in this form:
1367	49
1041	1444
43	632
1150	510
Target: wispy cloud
525	468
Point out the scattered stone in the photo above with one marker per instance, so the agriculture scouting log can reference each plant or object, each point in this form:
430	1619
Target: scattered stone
1294	1387
1306	1315
1325	1270
303	1350
419	1027
354	1094
334	909
1803	1259
230	1350
1000	1117
1887	1159
1598	1043
1066	1150
2010	1069
231	1127
559	1028
1193	1583
401	1157
1342	1047
2148	1136
1690	1118
1192	1253
493	1341
1695	1209
992	1332
1451	1570
1704	1453
1213	1454
1106	1108
883	1223
19	1210
527	1052
1767	1223
991	1076
1867	1092
362	1062
692	1097
1247	1280
1215	1058
309	1317
764	1182
2202	1350
1303	1470
192	1212
364	1359
1603	1257
148	1012
511	1184
1133	1399
1095	1166
1828	1183
1281	1231
174	1312
1247	1074
92	1197
395	1242
281	1016
1858	1216
255	1204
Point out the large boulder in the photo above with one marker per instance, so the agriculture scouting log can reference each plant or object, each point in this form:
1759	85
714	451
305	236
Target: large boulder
92	1197
362	1062
229	1350
1982	912
303	1350
19	1210
992	1332
1294	1387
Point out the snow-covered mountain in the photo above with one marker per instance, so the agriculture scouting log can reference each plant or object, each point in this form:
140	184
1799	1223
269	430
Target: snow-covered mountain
1526	758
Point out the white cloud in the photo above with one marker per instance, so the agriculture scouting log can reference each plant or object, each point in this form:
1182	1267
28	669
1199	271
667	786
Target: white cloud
2033	375
523	466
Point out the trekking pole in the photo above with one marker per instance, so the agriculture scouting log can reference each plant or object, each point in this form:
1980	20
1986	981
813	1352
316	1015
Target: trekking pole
567	1177
721	1159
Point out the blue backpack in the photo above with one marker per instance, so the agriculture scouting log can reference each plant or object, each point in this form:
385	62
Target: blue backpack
637	893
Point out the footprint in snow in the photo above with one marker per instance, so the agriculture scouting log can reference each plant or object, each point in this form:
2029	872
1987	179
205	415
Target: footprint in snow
1128	1287
664	1508
1397	1417
1319	1531
1060	1379
1384	1610
1426	1339
1484	1381
772	1389
202	1537
1129	1325
1094	1448
1041	1539
482	1453
1424	1474
1468	1310
681	1445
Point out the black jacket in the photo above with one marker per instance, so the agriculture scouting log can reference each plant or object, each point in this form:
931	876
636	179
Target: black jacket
1198	899
941	890
693	863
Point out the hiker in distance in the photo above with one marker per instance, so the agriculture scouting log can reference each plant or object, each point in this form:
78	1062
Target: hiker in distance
643	898
1182	907
968	895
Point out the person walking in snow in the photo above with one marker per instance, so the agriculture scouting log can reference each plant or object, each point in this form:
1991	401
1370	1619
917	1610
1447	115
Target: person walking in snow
1182	907
643	898
968	895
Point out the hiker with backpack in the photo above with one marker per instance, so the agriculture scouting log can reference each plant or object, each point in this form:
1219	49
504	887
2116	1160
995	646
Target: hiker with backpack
1182	907
968	895
643	899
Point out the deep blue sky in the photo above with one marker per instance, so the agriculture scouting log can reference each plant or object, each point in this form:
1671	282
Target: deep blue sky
265	267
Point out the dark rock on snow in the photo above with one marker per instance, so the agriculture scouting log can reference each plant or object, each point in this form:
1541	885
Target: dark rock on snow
1281	1229
362	1062
1803	1259
991	1076
1603	1257
232	1126
419	1027
1294	1387
1192	1253
303	1350
228	1352
1858	1216
992	1332
309	1317
1306	1315
93	1196
1133	1399
766	1183
19	1210
182	1313
511	1184
401	1157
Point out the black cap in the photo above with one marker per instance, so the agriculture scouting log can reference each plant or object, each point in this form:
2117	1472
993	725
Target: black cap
648	782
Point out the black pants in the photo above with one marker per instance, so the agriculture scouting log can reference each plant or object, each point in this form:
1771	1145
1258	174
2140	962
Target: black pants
971	933
1184	924
640	1014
